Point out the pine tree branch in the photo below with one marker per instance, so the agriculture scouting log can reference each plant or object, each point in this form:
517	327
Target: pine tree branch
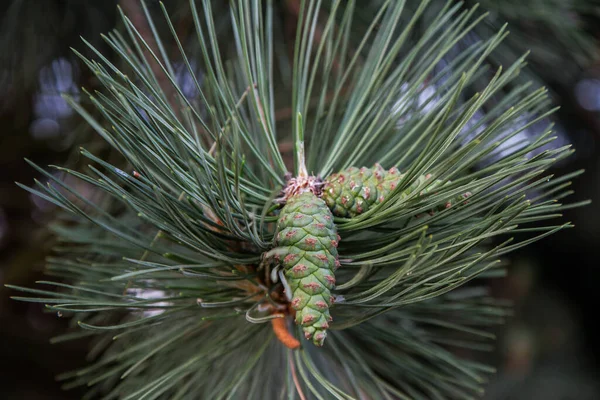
201	316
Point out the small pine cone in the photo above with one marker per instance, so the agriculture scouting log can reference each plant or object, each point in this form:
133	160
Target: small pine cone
308	239
354	191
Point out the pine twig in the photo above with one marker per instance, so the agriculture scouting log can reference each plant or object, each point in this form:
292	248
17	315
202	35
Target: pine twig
283	334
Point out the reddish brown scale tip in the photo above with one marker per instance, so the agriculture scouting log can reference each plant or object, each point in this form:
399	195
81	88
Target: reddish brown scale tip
367	192
330	279
300	268
310	242
307	319
320	225
466	196
321	304
311	285
291	233
296	302
334	243
289	258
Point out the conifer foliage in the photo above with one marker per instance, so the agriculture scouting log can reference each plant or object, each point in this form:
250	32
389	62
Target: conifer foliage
186	264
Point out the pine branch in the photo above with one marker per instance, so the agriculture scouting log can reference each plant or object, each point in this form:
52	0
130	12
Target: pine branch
199	312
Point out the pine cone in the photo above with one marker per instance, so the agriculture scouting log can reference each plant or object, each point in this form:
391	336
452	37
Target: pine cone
309	240
355	190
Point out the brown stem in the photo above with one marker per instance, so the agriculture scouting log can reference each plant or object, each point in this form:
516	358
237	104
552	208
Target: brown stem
296	380
282	333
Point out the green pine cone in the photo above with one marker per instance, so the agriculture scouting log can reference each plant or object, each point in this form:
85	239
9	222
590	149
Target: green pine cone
308	240
355	190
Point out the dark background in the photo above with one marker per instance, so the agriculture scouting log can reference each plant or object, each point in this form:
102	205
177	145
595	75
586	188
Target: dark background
547	350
